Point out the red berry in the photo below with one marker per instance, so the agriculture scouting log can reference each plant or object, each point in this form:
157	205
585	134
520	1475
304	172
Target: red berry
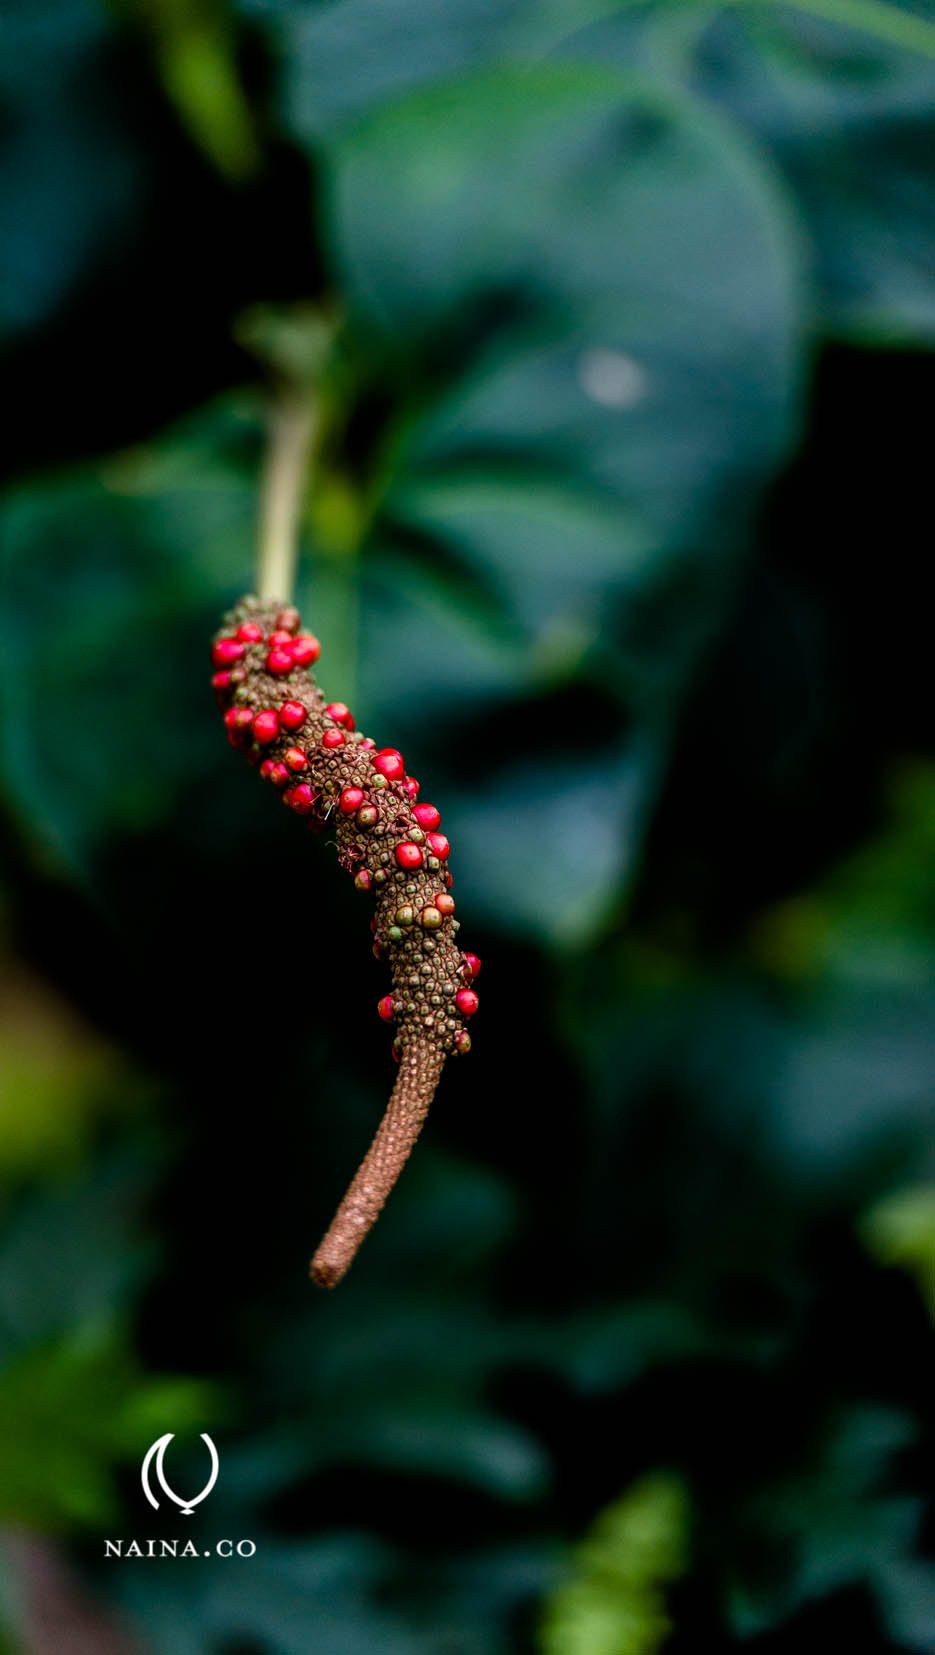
438	845
390	764
466	1001
250	633
279	775
221	681
288	619
471	966
340	714
444	903
385	1008
267	768
301	798
295	758
408	855
238	718
292	715
363	880
462	1043
411	786
367	745
280	640
238	721
351	799
266	727
305	649
426	816
278	662
226	651
333	738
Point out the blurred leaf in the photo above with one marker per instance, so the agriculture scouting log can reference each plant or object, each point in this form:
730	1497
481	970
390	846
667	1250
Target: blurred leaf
836	1525
614	1603
626	378
465	1444
111	581
328	1588
900	1230
69	1411
607	484
844	101
69	172
869	925
195	48
393	46
447	636
856	1074
57	1077
72	1252
568	838
607	1347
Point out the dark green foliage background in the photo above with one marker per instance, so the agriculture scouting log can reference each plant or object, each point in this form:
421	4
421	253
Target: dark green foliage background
619	532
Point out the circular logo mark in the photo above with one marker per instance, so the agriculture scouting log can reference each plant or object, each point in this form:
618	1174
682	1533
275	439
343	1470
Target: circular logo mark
156	1455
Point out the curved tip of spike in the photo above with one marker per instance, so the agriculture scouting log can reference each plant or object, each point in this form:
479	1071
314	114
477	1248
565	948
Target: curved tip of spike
420	1068
324	1272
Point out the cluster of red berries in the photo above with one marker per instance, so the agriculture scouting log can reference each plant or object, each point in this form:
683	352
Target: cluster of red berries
324	769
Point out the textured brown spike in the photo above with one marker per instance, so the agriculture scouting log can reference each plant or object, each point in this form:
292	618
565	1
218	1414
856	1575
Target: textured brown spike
327	772
419	1073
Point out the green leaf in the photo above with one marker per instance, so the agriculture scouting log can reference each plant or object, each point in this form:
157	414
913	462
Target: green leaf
843	98
58	1079
839	1525
69	1411
327	1589
111	581
578	822
69	173
90	1220
587	452
196	51
627	283
900	1230
340	61
613	1603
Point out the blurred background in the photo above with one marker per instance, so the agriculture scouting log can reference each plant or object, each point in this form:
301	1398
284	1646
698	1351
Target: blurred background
617	530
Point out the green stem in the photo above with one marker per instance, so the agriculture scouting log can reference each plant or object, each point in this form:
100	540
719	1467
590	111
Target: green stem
293	427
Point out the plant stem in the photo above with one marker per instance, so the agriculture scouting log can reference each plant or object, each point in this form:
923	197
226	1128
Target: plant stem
293	426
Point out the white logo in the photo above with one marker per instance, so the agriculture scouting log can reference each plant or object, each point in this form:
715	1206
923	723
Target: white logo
157	1452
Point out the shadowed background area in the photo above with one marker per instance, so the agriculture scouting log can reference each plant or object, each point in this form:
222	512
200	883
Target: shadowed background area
616	530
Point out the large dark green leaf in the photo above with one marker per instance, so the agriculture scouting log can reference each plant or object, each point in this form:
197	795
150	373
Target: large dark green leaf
338	61
630	386
106	578
69	175
844	102
840	97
